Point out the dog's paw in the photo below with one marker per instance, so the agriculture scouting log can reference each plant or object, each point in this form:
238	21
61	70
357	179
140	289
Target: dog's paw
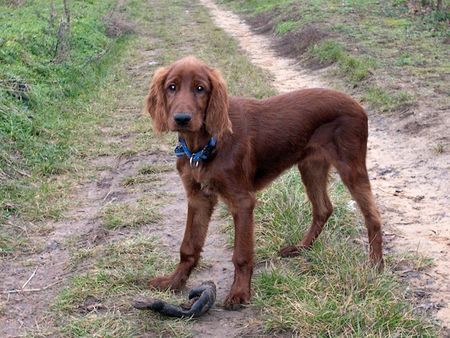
235	300
291	251
164	283
377	263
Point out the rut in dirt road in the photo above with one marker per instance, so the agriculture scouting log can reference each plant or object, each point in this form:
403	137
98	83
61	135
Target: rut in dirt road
409	181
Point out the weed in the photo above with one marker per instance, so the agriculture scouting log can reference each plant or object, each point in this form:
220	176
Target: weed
147	174
158	168
381	99
404	59
328	51
439	148
354	68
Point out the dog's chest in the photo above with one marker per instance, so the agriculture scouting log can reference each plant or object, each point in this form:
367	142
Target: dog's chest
207	184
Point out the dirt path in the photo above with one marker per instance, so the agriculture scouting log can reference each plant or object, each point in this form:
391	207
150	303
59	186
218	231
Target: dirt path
411	182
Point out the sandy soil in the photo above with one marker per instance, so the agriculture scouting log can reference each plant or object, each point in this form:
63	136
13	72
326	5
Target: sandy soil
409	179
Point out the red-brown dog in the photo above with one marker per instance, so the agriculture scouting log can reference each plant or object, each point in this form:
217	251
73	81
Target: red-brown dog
232	147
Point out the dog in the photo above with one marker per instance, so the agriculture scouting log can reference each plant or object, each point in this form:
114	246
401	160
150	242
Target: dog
231	147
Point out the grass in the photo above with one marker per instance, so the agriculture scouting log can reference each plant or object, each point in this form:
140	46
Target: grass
385	100
374	45
439	148
284	27
353	68
127	214
38	95
285	222
147	173
330	290
151	169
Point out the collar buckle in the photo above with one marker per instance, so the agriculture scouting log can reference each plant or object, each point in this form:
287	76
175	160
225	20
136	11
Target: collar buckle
194	158
193	163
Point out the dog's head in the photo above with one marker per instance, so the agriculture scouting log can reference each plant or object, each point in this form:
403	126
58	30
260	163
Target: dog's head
187	96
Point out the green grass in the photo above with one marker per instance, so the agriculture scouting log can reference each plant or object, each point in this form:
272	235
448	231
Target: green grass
156	168
385	100
285	26
330	290
39	121
355	69
285	222
373	45
148	173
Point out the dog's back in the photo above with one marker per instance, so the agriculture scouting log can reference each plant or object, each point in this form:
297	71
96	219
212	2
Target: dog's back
284	129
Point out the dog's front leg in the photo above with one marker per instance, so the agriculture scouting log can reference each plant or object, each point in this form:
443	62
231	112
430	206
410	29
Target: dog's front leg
242	210
200	208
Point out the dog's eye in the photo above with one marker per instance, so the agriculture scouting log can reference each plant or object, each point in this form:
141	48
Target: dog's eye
199	89
172	87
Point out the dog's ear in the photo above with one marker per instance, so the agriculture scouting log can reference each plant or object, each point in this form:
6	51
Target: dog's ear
155	102
217	120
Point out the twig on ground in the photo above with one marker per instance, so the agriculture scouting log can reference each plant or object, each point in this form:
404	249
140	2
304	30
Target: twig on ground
29	279
31	290
107	195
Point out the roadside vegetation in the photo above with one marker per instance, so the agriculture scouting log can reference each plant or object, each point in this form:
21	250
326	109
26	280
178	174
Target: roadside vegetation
87	108
390	53
53	60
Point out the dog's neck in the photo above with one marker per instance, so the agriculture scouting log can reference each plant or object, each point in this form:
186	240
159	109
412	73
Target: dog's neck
195	141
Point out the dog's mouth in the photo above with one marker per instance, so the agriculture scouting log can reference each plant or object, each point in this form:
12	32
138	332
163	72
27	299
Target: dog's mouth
190	127
177	128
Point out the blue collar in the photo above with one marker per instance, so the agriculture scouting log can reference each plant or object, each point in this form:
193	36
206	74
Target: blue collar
194	158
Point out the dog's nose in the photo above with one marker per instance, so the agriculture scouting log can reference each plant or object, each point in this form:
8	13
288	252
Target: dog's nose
182	118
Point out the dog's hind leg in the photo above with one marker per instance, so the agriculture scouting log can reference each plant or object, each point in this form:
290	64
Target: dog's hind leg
314	174
354	175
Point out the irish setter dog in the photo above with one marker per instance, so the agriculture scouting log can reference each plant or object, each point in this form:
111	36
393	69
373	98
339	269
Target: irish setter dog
249	143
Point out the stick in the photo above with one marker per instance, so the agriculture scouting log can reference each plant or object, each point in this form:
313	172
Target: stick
31	290
31	277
